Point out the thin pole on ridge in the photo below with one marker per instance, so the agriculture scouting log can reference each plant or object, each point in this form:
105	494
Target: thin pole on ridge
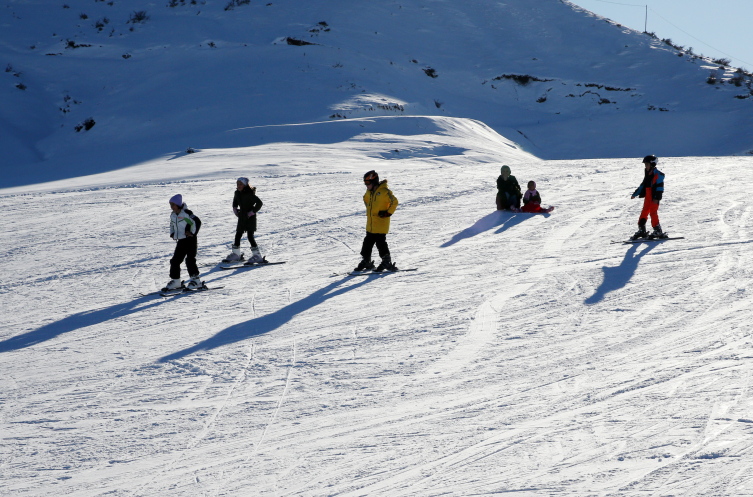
645	23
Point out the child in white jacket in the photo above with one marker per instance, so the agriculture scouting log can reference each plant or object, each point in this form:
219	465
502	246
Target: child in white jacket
183	231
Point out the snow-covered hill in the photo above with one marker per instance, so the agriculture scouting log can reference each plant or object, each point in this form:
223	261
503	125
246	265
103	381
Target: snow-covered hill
558	80
526	354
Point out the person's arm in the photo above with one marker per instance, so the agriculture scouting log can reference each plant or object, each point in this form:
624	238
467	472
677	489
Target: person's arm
190	226
637	191
392	207
658	189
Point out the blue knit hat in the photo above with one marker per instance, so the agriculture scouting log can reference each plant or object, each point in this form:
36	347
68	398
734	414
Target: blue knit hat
177	200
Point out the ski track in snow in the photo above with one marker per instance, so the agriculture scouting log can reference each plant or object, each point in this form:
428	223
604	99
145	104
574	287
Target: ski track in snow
526	354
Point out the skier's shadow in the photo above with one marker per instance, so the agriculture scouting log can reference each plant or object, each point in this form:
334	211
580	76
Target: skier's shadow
270	322
504	219
77	321
617	277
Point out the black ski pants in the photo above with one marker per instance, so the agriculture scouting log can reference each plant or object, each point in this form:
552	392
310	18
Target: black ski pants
239	233
378	239
186	249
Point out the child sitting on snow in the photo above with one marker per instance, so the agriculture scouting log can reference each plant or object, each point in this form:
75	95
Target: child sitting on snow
532	200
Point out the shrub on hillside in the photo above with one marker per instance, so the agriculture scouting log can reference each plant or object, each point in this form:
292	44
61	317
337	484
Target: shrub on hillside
712	79
83	17
738	78
86	125
431	72
722	61
138	16
236	3
101	23
297	42
521	79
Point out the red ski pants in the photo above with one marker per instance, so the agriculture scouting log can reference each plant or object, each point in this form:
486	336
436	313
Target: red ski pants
652	208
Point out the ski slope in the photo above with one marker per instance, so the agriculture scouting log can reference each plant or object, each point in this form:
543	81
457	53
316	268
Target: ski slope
527	354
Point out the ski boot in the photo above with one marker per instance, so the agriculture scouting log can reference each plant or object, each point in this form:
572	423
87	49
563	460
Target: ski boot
365	265
235	255
174	284
386	265
194	283
256	257
641	233
657	234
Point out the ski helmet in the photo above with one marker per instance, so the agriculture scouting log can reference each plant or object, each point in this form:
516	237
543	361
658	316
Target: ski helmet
371	177
651	159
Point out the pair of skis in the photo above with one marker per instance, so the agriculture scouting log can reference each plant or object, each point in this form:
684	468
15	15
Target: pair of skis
181	291
244	264
370	272
648	240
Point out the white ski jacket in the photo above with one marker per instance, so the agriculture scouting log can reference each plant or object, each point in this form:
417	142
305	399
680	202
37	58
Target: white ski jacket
179	223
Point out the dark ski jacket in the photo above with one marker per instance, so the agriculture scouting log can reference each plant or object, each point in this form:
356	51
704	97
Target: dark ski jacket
510	186
246	201
652	180
531	196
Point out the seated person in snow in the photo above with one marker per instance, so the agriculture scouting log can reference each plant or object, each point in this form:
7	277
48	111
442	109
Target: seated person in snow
508	191
532	200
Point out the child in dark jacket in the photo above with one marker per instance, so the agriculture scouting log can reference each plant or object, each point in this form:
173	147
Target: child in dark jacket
245	206
650	190
508	191
532	201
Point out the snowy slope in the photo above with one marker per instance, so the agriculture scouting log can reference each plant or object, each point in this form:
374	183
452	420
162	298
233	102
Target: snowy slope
188	75
526	354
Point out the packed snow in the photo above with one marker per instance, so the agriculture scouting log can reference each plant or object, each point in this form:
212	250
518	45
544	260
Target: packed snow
527	353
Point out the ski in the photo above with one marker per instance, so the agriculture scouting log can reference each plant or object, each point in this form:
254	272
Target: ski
184	291
367	273
230	265
179	291
255	264
641	240
224	261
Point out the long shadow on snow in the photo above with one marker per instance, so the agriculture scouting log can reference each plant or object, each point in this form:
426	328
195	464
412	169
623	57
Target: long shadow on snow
267	323
504	219
76	321
617	277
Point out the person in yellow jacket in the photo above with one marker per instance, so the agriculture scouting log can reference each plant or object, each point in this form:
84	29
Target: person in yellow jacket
380	205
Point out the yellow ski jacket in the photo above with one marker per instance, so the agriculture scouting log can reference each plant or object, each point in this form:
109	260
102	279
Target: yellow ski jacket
380	200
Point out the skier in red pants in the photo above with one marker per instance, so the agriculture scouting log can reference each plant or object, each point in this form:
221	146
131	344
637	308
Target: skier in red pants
651	190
